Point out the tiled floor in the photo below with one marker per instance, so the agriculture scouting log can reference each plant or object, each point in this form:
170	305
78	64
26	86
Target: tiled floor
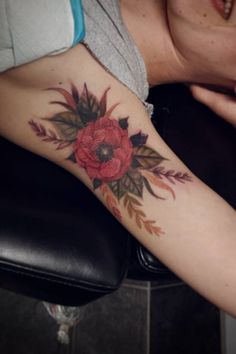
139	318
182	322
25	327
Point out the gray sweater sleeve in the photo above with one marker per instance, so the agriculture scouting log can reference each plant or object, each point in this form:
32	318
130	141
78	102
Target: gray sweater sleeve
109	40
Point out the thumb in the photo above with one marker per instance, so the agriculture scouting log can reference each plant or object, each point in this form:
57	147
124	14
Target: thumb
222	104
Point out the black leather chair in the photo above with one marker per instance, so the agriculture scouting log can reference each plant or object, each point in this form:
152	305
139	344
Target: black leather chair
59	244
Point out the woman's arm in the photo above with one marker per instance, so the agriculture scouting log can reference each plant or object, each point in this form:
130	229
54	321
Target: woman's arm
81	118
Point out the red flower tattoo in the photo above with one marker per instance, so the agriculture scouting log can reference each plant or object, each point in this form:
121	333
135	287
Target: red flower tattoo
103	148
119	164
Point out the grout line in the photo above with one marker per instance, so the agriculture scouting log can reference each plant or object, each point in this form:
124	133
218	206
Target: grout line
73	340
148	317
167	286
222	332
140	287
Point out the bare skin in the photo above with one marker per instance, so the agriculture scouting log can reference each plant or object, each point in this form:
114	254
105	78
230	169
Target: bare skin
192	44
222	104
187	226
191	40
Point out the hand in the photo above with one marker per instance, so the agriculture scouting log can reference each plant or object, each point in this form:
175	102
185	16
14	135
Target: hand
222	104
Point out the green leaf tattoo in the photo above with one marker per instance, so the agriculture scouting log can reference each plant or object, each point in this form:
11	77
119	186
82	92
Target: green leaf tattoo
146	157
67	124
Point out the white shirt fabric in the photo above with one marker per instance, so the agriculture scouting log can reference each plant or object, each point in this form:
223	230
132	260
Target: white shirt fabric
30	29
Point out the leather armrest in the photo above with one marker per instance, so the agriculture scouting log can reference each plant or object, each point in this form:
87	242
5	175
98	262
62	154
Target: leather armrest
57	241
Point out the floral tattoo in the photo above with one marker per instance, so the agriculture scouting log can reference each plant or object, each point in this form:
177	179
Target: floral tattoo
120	165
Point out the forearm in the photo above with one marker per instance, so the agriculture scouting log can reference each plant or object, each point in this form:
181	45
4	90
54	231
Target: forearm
113	148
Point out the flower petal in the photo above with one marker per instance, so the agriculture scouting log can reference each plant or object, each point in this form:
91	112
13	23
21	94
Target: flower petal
103	122
126	144
113	136
86	140
110	168
98	138
115	123
84	157
87	131
92	172
120	154
81	157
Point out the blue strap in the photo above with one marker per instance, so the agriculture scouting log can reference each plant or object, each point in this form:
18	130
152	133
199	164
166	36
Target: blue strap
79	27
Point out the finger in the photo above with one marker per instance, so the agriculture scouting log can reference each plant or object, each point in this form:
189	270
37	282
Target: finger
223	105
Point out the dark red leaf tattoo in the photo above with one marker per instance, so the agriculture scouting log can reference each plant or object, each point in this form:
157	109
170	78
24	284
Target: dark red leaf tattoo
132	205
48	136
68	97
172	176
